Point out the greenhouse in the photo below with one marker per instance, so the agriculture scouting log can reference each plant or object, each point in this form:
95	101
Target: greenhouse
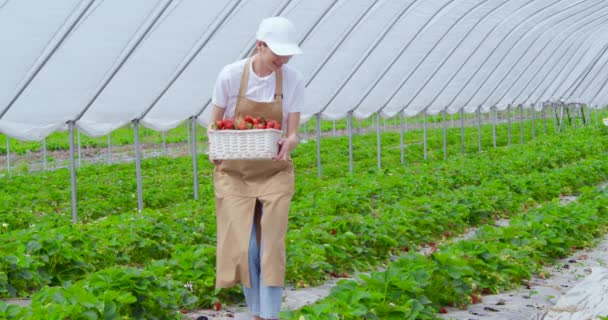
451	159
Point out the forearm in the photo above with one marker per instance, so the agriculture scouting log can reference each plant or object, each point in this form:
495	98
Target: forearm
217	114
293	123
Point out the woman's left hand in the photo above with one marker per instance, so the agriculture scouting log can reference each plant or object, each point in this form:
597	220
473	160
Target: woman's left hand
286	145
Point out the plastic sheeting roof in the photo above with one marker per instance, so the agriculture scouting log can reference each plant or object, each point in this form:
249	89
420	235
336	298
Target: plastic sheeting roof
105	63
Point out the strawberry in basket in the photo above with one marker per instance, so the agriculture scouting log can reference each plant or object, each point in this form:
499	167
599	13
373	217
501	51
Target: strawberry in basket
235	139
245	123
226	124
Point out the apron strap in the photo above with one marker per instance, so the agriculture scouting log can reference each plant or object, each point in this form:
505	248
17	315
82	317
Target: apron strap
278	91
244	79
278	95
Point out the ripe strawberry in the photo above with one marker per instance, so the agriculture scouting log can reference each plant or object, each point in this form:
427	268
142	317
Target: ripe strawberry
217	306
248	119
272	125
260	126
218	125
227	124
241	125
443	310
473	299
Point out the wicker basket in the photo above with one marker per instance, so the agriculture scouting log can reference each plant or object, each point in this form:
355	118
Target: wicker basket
243	144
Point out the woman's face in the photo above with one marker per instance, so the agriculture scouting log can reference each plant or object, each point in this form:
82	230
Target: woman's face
269	59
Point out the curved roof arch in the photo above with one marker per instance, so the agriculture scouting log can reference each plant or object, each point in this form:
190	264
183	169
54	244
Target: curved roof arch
105	63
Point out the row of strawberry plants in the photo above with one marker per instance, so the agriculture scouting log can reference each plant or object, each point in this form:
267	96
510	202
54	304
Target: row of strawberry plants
362	239
496	259
161	268
104	190
422	179
334	151
140	238
157	273
340	243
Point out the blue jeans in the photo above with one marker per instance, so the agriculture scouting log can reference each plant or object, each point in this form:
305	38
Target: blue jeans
262	301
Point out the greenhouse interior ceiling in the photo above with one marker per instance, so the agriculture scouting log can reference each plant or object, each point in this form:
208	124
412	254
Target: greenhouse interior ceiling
102	64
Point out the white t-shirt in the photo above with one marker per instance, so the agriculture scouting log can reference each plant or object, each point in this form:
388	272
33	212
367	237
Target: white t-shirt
261	89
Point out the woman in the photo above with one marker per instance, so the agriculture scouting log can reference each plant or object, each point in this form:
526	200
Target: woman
252	197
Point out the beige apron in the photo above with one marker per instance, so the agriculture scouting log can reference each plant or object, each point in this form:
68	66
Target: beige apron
240	185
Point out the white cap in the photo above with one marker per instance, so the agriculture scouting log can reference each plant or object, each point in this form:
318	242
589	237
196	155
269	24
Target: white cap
280	36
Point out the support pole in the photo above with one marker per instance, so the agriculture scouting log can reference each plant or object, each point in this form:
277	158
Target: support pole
521	124
533	110
543	112
140	202
555	118
333	129
44	155
401	135
319	145
188	134
378	141
509	125
462	129
561	118
425	134
570	120
73	171
194	158
349	127
8	154
109	148
479	128
445	135
494	112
